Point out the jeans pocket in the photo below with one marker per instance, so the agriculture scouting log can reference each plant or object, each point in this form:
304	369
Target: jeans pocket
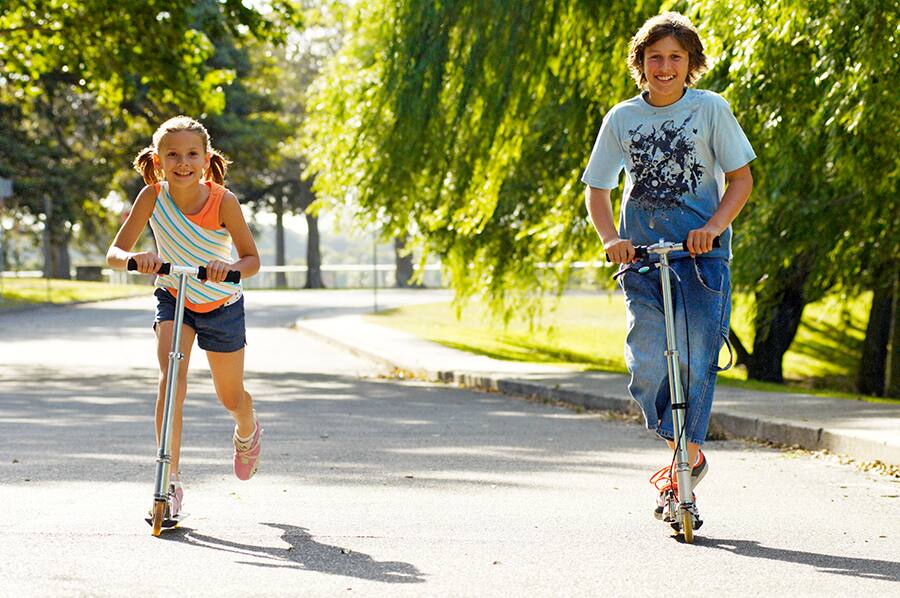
710	275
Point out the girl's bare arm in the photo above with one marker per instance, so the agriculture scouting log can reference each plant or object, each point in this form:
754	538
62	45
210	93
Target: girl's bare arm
120	250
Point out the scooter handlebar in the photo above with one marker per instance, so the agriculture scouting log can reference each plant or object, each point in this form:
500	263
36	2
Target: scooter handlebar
641	251
233	276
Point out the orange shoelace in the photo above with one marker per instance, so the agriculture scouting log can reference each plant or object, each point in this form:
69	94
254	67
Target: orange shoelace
662	480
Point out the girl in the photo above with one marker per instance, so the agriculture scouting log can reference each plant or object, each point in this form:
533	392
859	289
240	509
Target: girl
195	220
687	176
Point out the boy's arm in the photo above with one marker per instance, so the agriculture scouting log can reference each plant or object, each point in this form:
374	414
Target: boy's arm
248	256
120	251
599	207
737	191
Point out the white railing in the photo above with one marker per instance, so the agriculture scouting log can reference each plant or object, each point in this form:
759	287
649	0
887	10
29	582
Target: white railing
333	275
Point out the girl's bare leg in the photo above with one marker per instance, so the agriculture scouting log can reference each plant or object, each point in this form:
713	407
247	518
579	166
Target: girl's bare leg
228	376
163	346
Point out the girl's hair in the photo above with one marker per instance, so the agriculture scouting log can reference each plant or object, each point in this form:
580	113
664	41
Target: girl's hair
143	163
667	24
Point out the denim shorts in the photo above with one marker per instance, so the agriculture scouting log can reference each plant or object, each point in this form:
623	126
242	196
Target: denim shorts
701	297
222	330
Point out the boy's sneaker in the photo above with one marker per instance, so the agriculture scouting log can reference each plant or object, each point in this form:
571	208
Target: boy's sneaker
699	470
246	453
662	481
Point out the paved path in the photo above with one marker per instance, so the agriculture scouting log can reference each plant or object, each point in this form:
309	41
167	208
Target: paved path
375	488
863	431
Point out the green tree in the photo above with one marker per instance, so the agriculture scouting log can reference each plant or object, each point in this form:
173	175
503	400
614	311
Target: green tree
812	84
265	106
466	124
83	73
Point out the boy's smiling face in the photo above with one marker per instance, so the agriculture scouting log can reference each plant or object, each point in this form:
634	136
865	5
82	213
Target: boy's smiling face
666	65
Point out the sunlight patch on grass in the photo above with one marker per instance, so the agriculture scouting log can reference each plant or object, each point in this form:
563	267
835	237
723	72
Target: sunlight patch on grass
588	332
18	292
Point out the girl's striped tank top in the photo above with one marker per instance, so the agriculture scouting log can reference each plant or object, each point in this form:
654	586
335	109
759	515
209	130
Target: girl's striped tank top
194	240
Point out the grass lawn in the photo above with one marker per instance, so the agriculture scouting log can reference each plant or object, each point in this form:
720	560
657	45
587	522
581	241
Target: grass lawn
588	332
19	292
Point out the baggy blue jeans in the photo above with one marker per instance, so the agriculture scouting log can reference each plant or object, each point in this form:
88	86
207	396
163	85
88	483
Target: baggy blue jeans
701	297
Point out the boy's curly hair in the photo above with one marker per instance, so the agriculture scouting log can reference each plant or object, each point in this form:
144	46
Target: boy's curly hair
654	29
143	162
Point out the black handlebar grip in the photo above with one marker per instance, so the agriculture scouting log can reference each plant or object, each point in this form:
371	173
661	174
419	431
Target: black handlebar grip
232	276
717	242
164	268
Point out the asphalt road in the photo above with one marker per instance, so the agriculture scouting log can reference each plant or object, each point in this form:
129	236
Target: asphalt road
373	487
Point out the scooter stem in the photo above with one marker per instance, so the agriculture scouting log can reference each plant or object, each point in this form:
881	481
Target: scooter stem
164	455
676	393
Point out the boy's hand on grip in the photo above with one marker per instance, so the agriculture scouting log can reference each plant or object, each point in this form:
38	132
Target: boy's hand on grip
619	251
700	240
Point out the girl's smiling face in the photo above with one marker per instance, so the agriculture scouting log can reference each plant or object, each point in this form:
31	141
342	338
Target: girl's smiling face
666	65
182	156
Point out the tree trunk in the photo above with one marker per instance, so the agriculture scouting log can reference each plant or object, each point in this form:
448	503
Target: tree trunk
775	331
56	238
280	277
873	362
313	256
892	384
404	264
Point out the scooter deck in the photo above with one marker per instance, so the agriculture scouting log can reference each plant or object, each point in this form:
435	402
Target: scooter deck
168	522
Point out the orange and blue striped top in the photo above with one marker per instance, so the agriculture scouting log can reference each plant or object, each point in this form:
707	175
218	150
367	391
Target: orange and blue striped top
193	240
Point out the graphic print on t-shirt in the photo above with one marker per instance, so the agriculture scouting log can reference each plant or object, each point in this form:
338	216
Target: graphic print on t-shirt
666	166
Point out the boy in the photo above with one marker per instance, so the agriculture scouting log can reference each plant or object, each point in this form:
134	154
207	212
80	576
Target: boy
686	178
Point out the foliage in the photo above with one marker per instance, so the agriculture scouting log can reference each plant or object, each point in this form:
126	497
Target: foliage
468	123
813	82
81	80
143	56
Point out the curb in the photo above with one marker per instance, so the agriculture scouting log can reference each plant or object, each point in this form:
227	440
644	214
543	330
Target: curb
728	425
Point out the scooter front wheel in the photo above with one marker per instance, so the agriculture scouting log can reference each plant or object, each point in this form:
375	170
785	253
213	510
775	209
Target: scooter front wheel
687	526
159	511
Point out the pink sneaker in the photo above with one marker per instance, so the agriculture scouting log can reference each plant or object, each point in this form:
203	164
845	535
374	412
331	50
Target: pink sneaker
176	499
246	454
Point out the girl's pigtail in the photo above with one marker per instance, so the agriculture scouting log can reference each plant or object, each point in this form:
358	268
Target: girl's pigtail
143	163
218	166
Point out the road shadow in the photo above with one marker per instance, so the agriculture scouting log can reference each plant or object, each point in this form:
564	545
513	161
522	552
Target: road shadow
826	563
321	428
306	554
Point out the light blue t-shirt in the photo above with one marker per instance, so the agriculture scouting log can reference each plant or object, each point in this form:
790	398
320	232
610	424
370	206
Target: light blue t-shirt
674	158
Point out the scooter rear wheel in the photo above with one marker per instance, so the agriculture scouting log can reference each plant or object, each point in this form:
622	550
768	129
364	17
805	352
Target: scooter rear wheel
159	511
687	526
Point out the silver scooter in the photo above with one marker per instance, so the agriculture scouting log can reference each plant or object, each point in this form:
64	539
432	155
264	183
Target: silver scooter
160	518
681	508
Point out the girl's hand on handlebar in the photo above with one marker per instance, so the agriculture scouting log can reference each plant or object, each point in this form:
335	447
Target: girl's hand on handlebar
619	251
147	262
217	270
700	240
